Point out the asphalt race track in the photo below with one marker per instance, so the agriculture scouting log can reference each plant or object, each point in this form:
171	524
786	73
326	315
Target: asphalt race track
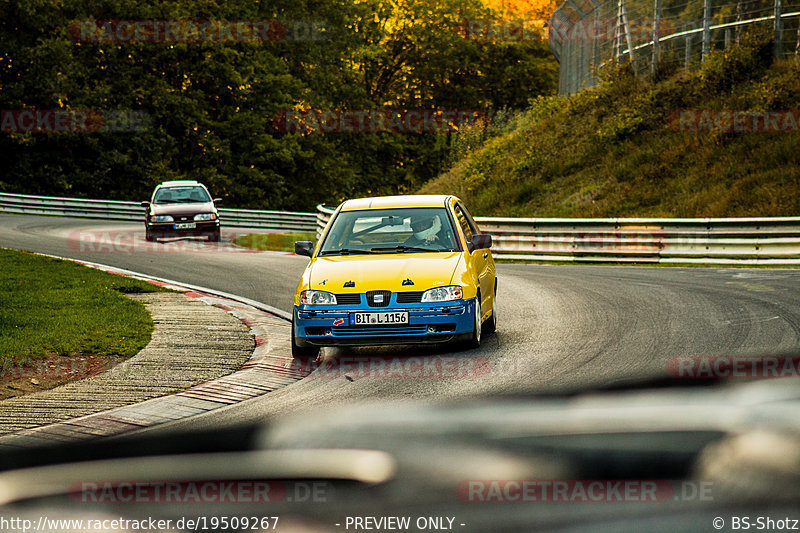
561	328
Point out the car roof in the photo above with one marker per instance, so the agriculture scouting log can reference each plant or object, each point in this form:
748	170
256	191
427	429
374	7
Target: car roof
180	183
386	202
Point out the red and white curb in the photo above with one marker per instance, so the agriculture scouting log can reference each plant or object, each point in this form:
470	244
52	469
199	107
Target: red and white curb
269	368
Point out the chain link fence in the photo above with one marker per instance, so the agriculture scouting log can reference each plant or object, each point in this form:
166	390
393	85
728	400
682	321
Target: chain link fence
585	35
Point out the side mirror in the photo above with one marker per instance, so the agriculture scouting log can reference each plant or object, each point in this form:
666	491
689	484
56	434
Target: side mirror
217	200
145	204
480	241
304	248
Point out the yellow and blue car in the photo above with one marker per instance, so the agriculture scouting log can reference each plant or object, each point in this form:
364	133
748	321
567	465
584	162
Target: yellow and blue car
395	270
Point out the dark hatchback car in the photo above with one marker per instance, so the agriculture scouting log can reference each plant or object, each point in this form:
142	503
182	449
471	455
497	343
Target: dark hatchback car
181	208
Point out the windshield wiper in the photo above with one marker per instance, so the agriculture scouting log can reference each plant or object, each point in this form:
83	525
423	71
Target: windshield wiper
345	251
404	248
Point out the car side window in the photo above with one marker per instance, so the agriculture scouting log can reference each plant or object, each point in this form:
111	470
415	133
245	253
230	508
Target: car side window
464	222
471	221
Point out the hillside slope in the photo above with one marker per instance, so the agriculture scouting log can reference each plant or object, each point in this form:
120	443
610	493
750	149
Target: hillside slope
618	150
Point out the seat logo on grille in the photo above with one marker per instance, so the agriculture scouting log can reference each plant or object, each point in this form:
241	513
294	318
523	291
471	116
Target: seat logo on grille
378	298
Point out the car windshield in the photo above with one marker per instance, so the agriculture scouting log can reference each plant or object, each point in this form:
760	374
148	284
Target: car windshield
378	231
181	195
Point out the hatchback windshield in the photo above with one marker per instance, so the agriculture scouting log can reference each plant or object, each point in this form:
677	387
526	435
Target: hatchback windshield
390	231
180	195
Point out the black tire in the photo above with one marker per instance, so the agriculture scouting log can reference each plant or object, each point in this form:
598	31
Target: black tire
148	236
305	354
474	339
213	237
491	324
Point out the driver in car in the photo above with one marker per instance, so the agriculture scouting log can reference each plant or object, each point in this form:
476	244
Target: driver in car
427	232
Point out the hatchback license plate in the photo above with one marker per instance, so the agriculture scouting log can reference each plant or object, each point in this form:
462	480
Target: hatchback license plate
389	317
185	225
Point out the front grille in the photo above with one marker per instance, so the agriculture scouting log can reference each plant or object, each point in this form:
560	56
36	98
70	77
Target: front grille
371	298
409	297
348	299
379	330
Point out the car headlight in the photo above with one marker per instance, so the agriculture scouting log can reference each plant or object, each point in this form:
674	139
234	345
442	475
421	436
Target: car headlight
162	218
443	294
205	216
317	298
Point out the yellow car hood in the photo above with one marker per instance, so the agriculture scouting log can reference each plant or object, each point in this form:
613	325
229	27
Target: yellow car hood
383	272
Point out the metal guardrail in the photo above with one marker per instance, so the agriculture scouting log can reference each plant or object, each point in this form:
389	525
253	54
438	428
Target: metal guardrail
742	241
133	211
738	241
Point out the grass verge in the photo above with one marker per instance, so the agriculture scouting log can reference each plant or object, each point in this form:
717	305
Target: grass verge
277	242
53	310
617	150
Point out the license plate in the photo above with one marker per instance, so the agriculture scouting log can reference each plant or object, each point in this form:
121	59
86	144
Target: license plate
185	225
380	318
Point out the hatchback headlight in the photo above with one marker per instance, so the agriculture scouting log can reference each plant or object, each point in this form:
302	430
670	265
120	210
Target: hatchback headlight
162	218
443	294
205	216
317	298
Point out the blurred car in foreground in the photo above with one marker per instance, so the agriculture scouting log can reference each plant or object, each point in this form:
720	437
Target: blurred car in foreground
703	458
396	270
181	208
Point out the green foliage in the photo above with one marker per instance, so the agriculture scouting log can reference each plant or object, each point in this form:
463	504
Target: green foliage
610	151
625	123
726	68
277	242
211	105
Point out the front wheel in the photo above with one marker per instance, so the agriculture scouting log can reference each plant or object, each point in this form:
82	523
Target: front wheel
304	354
491	323
213	237
474	340
148	236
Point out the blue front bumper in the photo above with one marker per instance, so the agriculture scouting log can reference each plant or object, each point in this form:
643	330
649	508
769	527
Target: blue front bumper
332	325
